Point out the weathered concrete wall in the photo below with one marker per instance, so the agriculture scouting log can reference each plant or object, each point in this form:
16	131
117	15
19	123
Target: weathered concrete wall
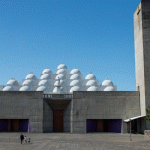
142	54
146	46
139	56
67	118
23	105
103	105
47	118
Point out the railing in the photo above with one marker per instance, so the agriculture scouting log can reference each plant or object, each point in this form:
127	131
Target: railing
57	96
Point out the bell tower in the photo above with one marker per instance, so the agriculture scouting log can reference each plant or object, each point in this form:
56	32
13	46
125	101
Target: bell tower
142	53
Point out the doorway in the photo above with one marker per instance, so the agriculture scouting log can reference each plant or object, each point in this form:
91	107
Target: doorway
58	120
104	125
14	125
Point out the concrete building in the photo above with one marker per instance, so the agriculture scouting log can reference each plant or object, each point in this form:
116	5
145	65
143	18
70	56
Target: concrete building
64	102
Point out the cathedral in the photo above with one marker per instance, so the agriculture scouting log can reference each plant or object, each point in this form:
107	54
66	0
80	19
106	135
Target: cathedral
65	102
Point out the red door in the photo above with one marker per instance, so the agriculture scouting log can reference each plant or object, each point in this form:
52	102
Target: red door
58	120
15	125
9	125
100	125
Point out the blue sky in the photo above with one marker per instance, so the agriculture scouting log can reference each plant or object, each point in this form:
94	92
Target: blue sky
93	35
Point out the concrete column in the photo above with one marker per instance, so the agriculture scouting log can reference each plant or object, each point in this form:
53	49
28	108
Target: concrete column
125	127
71	115
143	125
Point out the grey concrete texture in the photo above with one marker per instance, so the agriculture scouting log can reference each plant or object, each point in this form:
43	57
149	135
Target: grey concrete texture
83	94
67	118
47	118
142	53
139	56
104	105
23	105
126	106
146	46
40	114
97	141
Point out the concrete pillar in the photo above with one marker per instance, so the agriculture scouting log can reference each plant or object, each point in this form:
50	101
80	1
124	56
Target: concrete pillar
71	115
143	125
125	127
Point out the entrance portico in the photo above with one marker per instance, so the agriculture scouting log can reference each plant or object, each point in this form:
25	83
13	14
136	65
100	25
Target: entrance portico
58	103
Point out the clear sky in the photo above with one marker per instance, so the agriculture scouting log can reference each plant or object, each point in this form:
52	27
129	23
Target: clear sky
93	35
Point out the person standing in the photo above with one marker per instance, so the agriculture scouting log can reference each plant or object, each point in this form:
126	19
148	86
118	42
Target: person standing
29	140
25	139
21	137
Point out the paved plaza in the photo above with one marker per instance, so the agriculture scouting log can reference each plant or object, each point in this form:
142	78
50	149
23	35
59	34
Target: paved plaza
63	141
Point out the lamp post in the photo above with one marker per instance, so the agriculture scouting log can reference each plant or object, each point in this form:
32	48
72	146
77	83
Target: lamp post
130	129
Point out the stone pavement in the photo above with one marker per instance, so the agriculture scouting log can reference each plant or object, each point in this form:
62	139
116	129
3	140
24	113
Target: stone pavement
67	141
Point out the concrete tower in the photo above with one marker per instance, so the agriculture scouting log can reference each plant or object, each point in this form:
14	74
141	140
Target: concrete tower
142	53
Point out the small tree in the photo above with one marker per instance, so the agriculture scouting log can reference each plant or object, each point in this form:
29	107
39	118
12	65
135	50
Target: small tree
148	114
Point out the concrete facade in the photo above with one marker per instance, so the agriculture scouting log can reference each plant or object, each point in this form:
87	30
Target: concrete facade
23	105
103	105
93	105
77	108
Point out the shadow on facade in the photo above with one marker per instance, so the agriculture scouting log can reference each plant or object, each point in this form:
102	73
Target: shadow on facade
14	125
104	125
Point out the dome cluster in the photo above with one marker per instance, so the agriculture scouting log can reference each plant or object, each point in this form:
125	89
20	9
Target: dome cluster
60	83
29	83
12	85
44	81
91	83
75	80
108	85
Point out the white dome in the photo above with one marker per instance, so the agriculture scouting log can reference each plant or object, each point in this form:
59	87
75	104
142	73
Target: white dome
75	71
43	82
27	82
12	82
7	88
75	77
107	82
31	76
62	66
24	88
91	83
61	71
45	76
109	88
47	71
61	83
74	88
60	76
75	83
41	88
55	90
92	88
90	76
